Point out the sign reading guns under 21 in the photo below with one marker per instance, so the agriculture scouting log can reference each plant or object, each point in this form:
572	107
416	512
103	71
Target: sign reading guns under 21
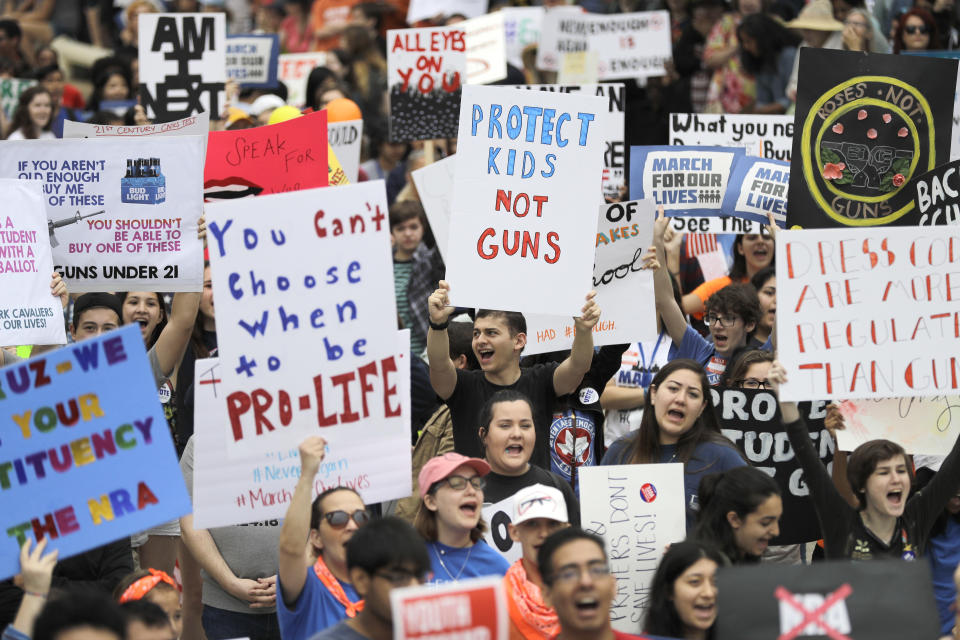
529	166
85	455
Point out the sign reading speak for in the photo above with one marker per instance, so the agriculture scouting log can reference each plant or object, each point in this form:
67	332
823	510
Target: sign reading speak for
87	456
638	509
474	608
306	267
871	313
528	166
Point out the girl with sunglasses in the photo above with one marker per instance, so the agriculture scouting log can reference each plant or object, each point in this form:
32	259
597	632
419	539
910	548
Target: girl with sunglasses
916	31
449	518
316	594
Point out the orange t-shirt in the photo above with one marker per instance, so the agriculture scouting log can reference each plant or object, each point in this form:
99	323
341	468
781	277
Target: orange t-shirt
325	12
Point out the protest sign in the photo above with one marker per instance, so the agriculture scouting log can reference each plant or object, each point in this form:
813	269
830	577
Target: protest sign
426	9
122	213
868	124
685	180
434	184
486	48
306	267
28	313
88	447
769	137
287	156
198	125
936	197
613	165
10	90
624	232
182	60
252	60
578	67
871	314
345	139
425	70
751	420
498	516
919	425
475	608
521	27
526	169
839	600
757	188
229	491
293	69
639	510
628	45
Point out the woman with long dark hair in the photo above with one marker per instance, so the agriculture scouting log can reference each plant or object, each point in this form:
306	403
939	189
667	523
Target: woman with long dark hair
683	595
33	117
767	50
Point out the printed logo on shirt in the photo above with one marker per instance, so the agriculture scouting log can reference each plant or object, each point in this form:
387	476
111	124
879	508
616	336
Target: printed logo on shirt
165	393
588	395
715	369
648	492
571	441
861	550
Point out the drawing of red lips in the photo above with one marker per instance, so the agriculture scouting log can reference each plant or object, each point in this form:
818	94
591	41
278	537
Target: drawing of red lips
229	189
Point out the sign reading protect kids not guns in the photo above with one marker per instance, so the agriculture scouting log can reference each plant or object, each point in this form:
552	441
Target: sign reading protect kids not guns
529	166
305	268
122	214
86	456
872	314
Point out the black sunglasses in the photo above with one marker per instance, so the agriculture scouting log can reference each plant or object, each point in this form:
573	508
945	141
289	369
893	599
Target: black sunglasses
914	29
339	519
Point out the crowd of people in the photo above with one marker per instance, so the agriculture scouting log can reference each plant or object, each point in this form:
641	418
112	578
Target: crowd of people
487	423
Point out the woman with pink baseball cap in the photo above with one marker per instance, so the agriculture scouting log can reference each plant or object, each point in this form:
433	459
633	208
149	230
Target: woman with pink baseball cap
449	518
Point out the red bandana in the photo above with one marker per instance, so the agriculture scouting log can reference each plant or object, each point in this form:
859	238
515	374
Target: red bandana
333	586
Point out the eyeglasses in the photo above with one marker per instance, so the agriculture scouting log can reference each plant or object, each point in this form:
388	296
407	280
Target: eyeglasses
855	23
752	383
724	321
339	519
914	29
398	577
574	573
459	483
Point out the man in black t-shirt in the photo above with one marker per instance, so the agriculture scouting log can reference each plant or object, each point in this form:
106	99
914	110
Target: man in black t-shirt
498	339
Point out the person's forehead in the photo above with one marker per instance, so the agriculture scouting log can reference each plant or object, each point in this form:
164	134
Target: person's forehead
895	461
342	500
581	551
490	322
100	315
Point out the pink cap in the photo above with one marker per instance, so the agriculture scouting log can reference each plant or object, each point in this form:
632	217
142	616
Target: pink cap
441	467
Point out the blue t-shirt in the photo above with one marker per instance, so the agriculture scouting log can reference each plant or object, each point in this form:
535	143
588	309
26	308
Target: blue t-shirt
476	561
704	352
944	552
315	609
708	457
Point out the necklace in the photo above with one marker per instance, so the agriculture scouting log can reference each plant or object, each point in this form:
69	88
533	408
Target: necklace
436	550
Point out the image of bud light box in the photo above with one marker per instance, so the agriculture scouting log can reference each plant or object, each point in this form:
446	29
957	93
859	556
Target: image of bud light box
144	182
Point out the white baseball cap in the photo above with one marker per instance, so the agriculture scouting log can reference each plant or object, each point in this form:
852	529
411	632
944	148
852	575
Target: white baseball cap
539	501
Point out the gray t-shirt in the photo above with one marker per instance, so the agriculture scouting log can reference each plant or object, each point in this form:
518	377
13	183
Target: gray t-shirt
339	631
250	550
158	375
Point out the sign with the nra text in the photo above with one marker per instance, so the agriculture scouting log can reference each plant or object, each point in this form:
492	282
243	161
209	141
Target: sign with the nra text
467	609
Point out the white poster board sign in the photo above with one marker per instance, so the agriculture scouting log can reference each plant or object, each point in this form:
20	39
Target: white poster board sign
293	69
346	138
426	9
123	213
183	63
927	426
498	516
521	28
871	312
198	125
527	167
28	313
638	509
309	267
486	49
434	184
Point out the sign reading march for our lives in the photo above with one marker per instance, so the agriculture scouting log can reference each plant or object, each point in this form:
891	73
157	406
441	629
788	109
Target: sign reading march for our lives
528	166
122	214
306	267
871	314
866	126
28	313
757	188
627	45
926	426
86	452
287	156
252	60
685	180
183	65
638	509
425	71
472	609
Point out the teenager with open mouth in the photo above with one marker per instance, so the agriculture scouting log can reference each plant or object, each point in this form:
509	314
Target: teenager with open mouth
887	522
679	425
450	519
683	595
740	513
508	437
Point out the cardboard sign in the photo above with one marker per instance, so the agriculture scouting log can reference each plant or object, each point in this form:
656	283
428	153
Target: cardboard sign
757	188
425	69
307	267
28	313
867	124
751	420
435	187
498	516
228	491
474	608
10	90
87	453
769	137
122	213
198	125
293	69
182	64
287	156
526	165
936	197
627	45
521	29
869	313
919	425
252	60
345	139
426	9
638	509
486	49
685	180
624	232
837	600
